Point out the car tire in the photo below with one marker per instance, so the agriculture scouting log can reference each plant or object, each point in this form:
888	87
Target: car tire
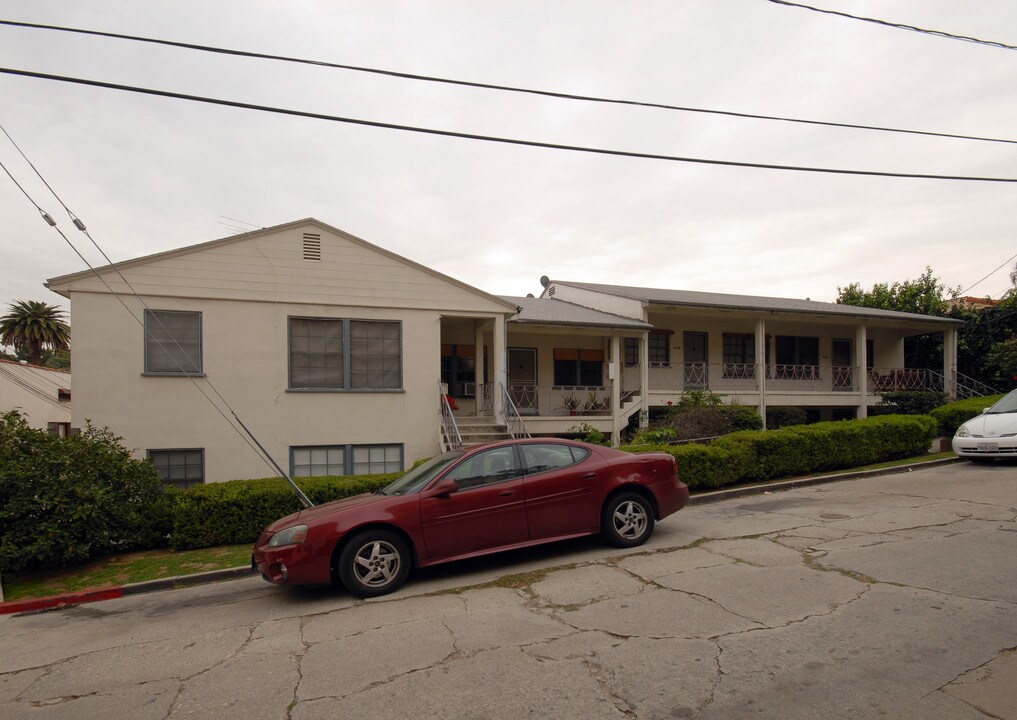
373	563
626	520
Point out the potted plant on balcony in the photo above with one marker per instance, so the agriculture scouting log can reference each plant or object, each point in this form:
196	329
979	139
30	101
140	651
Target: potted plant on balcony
571	402
593	404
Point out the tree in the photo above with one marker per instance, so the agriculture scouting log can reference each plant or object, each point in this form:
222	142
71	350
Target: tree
925	295
32	327
985	343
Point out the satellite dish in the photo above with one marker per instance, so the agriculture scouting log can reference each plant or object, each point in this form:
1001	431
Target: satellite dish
545	280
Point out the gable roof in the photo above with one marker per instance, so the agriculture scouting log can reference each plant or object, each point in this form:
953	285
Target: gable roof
551	311
58	284
726	301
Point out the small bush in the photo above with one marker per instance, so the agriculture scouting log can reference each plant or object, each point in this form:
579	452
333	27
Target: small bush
914	402
65	500
778	417
590	434
951	416
743	418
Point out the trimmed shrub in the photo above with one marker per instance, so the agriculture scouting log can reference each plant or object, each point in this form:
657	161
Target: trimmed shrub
234	512
951	416
68	499
753	456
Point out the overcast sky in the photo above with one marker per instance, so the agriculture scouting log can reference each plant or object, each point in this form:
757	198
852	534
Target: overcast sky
148	174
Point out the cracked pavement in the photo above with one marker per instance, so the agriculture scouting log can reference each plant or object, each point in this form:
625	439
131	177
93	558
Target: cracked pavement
890	597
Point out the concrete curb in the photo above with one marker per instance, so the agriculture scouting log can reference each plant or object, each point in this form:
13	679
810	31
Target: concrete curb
111	593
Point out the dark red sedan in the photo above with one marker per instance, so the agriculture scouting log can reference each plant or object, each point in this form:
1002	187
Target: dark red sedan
465	503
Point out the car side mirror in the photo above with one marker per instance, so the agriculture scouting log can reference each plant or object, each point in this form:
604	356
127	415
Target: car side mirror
444	488
985	410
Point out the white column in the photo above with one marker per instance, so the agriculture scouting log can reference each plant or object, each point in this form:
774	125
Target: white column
861	340
644	379
950	362
479	359
616	381
761	366
500	367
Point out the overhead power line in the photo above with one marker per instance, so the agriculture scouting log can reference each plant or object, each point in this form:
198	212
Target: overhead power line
969	287
898	26
493	86
245	433
496	139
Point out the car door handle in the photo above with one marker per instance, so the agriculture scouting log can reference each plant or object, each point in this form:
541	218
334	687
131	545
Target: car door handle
506	493
590	476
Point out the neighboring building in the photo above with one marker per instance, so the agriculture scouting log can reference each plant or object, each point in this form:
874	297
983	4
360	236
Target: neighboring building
41	394
336	354
968	302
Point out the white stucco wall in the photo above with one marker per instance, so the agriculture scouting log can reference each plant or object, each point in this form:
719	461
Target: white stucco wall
34	391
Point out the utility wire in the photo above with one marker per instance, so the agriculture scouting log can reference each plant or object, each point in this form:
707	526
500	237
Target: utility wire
29	387
492	138
247	436
899	26
493	86
989	275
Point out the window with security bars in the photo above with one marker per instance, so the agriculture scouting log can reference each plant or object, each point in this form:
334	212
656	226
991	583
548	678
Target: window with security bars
172	342
659	350
344	354
180	468
739	355
578	368
316	461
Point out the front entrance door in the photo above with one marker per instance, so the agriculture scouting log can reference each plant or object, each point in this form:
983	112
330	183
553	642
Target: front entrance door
522	379
840	357
697	374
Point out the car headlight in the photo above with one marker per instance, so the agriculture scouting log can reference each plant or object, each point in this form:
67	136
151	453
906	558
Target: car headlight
290	536
963	432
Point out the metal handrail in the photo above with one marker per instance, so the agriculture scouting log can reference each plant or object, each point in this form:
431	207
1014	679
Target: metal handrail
450	437
964	386
513	422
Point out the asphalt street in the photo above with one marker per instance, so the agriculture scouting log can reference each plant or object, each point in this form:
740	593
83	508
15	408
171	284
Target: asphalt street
885	597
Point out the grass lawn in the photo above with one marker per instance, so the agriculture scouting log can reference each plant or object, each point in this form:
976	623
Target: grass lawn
124	568
144	565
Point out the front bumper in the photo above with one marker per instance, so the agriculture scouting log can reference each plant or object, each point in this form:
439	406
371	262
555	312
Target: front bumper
982	447
308	563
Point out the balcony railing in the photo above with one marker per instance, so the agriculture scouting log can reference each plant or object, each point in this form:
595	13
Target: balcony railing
744	378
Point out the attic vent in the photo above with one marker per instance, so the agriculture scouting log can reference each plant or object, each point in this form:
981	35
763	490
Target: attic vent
312	247
550	291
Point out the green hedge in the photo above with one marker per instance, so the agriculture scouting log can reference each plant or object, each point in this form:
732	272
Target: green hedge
952	415
233	512
752	456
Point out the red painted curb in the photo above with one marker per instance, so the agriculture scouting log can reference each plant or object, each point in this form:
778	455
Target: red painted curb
65	600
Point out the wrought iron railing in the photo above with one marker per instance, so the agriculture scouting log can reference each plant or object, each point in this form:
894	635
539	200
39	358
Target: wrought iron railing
963	387
513	422
744	378
450	437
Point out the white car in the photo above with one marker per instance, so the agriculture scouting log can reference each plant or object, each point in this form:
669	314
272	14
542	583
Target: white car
993	434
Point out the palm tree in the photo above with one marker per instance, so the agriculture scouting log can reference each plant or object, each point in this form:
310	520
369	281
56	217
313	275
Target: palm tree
33	326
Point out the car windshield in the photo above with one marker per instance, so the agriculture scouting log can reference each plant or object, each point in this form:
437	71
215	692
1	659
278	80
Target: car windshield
1007	405
418	477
